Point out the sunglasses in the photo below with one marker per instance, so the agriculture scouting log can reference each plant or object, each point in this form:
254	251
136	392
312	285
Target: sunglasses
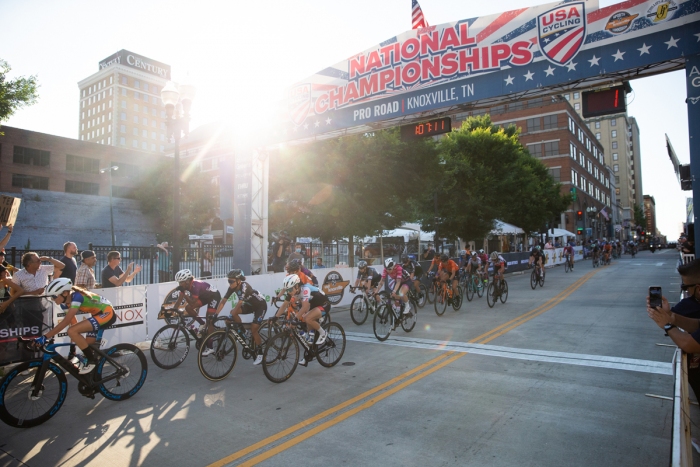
687	286
231	281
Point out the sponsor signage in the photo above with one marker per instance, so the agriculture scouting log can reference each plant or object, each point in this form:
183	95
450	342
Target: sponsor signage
132	60
334	287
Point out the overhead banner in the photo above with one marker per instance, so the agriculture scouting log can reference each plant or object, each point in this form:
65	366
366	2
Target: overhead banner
469	60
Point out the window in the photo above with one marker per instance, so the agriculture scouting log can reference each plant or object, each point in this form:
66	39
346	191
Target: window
153	147
550	122
515	106
577	95
162	114
597	125
614	145
83	92
30	181
555	173
590	188
537	102
588	144
145	122
567	96
109	140
136	107
145	97
617	191
122	128
577	106
155	100
126	170
122	116
162	125
137	95
136	118
145	86
614	134
572	151
590	166
135	143
124	80
551	148
580	135
595	171
615	156
144	146
617	180
82	164
597	193
122	191
162	148
110	105
144	133
145	110
597	135
137	84
153	135
535	149
82	127
123	91
155	90
135	131
122	141
574	177
110	81
162	137
613	122
30	156
616	168
499	109
533	124
154	113
583	183
83	188
581	159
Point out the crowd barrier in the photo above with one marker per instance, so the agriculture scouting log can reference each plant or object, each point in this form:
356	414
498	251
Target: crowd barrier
681	446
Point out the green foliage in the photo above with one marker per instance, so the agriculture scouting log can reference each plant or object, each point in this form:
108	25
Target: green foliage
16	93
198	200
639	217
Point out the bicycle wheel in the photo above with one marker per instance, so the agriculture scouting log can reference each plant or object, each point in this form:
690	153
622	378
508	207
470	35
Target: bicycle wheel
280	357
383	322
133	365
457	301
470	287
566	266
440	302
422	291
504	291
330	353
170	346
432	293
480	286
217	366
542	278
490	299
18	409
533	279
408	322
359	310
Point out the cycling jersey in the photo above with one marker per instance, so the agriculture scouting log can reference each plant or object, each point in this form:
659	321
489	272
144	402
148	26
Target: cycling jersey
204	292
396	273
536	254
450	267
484	258
100	309
498	263
474	261
250	297
370	273
313	295
568	250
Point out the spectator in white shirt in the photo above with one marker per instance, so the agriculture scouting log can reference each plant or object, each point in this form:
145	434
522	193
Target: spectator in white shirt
34	277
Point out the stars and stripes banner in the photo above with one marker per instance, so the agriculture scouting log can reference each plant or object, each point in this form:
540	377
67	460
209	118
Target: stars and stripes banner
418	20
543	47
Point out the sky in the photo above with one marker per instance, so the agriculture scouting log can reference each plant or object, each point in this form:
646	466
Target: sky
241	56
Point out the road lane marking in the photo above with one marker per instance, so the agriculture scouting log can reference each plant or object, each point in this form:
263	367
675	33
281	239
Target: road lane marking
596	361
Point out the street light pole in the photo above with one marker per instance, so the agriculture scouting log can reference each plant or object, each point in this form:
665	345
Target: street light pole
111	212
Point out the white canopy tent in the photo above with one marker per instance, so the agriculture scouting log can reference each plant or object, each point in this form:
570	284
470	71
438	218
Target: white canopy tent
503	228
560	233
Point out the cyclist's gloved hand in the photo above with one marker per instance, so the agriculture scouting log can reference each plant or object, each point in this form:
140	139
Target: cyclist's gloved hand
274	319
40	341
180	288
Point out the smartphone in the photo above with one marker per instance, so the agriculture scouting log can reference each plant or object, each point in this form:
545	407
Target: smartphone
654	297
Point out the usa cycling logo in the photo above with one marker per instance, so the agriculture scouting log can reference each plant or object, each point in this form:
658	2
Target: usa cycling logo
299	103
561	32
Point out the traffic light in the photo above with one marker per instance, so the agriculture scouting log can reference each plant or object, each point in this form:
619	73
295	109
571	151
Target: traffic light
643	233
579	215
579	230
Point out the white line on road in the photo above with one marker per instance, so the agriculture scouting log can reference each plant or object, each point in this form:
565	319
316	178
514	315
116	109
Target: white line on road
660	264
597	361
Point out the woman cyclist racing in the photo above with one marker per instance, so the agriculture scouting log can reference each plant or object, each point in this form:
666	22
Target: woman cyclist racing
499	266
76	299
201	293
397	282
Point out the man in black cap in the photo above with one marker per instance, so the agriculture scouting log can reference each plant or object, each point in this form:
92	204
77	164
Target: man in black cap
85	276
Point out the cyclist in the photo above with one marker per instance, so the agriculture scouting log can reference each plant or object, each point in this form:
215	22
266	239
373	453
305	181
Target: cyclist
473	264
398	282
201	293
306	276
596	251
311	302
536	256
366	274
499	266
76	299
483	270
448	272
249	301
569	255
414	270
607	251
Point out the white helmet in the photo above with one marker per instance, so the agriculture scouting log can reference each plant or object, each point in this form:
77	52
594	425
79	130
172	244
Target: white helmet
494	255
183	275
481	251
58	286
290	281
389	263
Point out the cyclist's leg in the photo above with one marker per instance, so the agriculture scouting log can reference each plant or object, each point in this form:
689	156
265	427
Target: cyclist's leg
255	325
455	284
193	311
311	318
90	326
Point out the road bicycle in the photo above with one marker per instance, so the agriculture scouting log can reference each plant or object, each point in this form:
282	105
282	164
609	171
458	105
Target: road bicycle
219	364
391	312
281	354
363	305
568	264
606	259
473	285
537	277
444	298
497	292
433	287
596	260
30	399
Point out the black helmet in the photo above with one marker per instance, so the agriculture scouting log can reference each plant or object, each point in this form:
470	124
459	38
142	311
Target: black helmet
444	257
294	265
404	258
236	274
362	264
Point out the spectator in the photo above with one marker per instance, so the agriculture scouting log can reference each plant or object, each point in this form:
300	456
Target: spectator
6	238
112	274
296	254
685	315
163	262
70	249
9	291
548	245
279	249
34	276
85	276
319	263
10	268
206	266
688	247
428	254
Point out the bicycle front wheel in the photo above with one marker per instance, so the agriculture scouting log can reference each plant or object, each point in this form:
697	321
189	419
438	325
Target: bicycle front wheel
422	296
408	322
330	353
18	408
281	357
359	310
130	367
457	300
490	299
217	365
170	346
432	293
504	291
383	322
533	279
440	303
542	278
470	287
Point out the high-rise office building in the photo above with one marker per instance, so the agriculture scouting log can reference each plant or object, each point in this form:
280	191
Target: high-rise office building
120	104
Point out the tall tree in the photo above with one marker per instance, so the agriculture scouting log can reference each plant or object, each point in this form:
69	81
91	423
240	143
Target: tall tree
15	93
639	216
198	200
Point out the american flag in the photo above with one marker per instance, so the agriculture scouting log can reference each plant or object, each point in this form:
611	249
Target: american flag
418	18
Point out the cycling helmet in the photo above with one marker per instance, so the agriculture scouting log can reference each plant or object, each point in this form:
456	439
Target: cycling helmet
481	251
474	254
404	258
444	257
183	275
236	274
362	264
389	263
463	253
294	265
290	281
58	286
494	255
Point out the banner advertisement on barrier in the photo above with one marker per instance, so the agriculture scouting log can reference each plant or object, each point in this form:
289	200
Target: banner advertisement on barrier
26	317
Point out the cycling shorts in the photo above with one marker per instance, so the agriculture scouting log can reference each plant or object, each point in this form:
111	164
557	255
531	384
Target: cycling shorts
258	310
101	321
418	272
209	298
325	309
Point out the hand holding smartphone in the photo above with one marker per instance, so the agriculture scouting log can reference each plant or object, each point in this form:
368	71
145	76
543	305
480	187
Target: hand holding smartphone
655	297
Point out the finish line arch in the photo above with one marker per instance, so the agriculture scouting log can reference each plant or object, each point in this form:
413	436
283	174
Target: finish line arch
476	63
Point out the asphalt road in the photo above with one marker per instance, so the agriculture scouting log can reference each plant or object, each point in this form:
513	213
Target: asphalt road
556	376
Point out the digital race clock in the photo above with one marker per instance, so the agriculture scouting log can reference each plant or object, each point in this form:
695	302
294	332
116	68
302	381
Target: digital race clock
423	129
604	102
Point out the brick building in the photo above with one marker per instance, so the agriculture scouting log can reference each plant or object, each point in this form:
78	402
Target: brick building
554	133
650	214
